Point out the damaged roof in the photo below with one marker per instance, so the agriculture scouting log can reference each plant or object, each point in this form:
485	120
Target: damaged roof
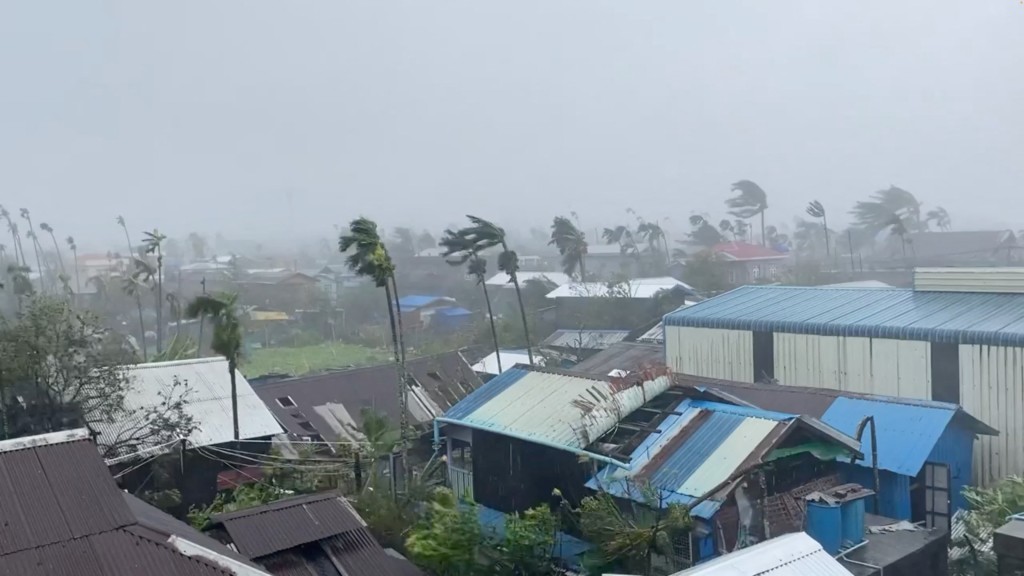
331	404
624	356
62	513
699	446
555	408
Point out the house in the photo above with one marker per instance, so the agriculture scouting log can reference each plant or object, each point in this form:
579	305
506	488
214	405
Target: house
957	337
518	437
279	289
747	263
62	513
206	385
964	248
621	358
311	534
924	447
735	468
576	345
328	407
488	366
795	554
438	313
617	306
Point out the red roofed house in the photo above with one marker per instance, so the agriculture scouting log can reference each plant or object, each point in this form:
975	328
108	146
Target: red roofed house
751	263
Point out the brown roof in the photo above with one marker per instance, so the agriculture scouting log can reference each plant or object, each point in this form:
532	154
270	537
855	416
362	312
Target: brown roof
628	356
315	531
332	403
62	514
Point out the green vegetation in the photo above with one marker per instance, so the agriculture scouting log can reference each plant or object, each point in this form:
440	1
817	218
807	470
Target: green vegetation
309	359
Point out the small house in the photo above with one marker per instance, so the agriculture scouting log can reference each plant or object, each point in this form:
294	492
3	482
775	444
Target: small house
747	263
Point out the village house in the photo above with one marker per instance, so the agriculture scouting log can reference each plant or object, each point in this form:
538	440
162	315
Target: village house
63	514
956	337
925	448
622	305
329	407
279	289
746	263
317	534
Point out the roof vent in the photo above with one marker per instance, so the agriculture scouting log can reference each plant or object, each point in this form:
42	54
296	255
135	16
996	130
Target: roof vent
989	280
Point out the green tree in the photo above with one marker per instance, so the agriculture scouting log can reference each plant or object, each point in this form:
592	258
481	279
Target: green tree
877	213
70	240
448	540
132	287
477	268
940	217
528	544
816	209
19	253
703	233
572	246
31	235
988	509
63	277
749	202
369	258
69	372
225	317
21	285
153	245
482	235
623	236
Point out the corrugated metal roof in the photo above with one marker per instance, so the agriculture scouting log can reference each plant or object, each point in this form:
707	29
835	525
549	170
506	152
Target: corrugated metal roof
556	278
288	523
414	301
333	402
625	356
509	358
655	335
635	288
694	451
794	554
906	434
969	318
585	339
552	408
208	401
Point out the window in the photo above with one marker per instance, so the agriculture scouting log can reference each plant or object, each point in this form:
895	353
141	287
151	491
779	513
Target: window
773	272
286	402
755	272
945	365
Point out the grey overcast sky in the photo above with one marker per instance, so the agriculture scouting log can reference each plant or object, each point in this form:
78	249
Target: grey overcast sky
207	114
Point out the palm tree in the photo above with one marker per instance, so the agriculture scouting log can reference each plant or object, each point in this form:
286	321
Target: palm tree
56	247
132	286
174	303
704	234
623	236
12	226
876	214
652	233
572	245
74	252
153	244
369	258
477	268
482	235
751	201
21	285
223	312
940	217
31	235
899	228
815	209
3	257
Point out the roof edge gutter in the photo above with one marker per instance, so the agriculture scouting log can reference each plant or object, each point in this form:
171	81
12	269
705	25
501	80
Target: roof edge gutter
524	438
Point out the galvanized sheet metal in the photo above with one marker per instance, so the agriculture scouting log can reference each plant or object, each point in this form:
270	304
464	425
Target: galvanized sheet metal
732	451
794	554
552	408
907	434
723	354
966	318
992	389
1001	280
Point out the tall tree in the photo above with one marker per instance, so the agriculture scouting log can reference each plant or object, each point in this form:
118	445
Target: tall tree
940	217
704	234
74	252
224	315
749	202
477	269
816	209
368	257
876	214
482	235
898	228
624	237
572	245
31	235
132	285
153	244
13	228
403	242
56	248
198	245
654	235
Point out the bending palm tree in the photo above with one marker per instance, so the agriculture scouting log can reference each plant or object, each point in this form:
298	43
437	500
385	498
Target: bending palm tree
223	313
572	245
132	286
56	247
370	259
153	243
481	235
134	291
74	252
876	214
940	217
478	269
31	235
815	209
751	201
19	253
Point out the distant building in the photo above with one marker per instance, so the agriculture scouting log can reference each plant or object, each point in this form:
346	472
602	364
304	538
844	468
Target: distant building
616	306
621	358
964	248
436	313
747	263
279	289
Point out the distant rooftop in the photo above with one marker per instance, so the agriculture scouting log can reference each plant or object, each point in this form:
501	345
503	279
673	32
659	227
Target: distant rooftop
634	288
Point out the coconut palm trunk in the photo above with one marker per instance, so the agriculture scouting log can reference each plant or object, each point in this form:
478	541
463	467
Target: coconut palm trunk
138	296
56	248
233	368
490	317
522	312
74	253
394	317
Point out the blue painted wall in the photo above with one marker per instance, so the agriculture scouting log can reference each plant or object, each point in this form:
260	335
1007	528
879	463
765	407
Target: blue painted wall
955	448
893	495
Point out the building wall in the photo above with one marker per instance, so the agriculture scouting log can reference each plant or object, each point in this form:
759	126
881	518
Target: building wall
955	448
992	390
893	495
725	354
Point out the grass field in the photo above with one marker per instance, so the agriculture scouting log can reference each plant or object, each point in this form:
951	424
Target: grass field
309	359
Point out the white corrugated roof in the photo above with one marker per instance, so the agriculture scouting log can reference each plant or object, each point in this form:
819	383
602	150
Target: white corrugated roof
635	288
794	554
509	358
556	278
209	400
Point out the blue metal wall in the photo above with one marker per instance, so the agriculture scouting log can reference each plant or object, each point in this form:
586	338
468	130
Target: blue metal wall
955	448
893	495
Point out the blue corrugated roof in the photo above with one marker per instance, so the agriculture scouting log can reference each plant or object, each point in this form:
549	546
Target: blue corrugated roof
906	433
414	301
953	317
485	393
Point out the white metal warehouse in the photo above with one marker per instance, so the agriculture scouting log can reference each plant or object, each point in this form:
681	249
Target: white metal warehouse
957	337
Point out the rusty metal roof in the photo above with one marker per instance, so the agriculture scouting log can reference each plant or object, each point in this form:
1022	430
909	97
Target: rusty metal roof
624	356
61	514
289	523
331	404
